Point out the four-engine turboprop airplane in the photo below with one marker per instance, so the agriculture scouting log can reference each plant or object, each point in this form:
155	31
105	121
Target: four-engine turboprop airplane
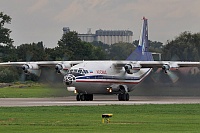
106	77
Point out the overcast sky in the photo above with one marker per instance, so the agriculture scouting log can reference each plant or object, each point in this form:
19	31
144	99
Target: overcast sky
43	20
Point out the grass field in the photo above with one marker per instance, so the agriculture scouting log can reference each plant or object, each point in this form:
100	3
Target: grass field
31	89
66	119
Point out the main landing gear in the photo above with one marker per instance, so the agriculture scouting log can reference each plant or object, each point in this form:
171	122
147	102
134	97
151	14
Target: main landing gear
84	97
89	97
123	97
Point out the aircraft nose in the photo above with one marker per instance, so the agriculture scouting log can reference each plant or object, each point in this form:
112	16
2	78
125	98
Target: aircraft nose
68	79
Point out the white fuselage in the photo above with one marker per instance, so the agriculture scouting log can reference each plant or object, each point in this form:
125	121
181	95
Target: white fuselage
101	75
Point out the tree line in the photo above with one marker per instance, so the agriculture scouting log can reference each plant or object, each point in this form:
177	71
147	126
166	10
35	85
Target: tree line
185	47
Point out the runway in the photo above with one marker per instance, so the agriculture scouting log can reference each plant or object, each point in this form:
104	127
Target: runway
98	100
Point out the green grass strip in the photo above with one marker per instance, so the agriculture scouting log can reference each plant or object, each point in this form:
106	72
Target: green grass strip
30	90
81	119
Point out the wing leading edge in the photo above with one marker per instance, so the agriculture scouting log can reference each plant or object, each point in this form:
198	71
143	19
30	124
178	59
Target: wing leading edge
156	64
40	63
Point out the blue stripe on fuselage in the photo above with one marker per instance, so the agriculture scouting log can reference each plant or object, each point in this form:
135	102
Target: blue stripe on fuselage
111	77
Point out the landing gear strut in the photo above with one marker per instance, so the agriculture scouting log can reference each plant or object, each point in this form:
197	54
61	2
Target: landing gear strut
84	97
123	97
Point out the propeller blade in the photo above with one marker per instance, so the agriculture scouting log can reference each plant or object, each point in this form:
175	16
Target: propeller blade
23	77
29	56
174	78
156	76
164	76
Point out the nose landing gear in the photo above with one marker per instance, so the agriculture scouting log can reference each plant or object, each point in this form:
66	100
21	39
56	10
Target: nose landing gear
84	97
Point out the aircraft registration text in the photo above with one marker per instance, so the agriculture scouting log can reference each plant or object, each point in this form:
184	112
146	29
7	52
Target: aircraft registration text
101	72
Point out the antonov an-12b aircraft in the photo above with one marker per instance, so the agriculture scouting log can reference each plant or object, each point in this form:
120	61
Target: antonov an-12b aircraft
106	77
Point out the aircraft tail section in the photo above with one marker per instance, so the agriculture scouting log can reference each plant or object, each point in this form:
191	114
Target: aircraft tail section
142	53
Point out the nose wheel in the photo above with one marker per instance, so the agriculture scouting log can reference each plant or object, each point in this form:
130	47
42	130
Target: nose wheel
84	97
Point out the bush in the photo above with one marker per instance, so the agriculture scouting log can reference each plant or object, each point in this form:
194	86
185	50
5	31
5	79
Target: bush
8	74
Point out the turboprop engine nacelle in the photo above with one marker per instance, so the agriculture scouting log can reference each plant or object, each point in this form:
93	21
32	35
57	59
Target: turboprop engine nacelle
132	68
167	67
31	68
60	67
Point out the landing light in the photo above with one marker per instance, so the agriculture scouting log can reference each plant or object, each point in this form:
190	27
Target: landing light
109	90
75	91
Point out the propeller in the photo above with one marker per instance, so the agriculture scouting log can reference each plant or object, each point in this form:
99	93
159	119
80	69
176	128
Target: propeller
22	77
49	75
165	74
29	56
167	70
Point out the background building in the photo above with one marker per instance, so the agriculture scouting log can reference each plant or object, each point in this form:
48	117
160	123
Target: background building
105	36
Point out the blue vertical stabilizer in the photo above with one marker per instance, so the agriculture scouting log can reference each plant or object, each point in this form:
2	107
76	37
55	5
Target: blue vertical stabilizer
142	53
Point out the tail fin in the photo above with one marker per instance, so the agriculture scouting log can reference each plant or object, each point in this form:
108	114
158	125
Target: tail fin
142	53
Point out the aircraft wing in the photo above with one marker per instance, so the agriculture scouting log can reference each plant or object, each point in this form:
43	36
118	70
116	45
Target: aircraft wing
35	67
172	64
40	63
141	64
156	64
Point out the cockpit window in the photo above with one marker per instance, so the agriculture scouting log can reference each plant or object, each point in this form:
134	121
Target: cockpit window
85	71
80	71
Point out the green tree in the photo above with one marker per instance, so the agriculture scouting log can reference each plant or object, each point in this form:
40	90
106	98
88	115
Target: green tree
120	51
31	52
135	43
101	45
7	53
8	74
99	53
7	50
154	46
70	47
186	47
50	54
5	32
